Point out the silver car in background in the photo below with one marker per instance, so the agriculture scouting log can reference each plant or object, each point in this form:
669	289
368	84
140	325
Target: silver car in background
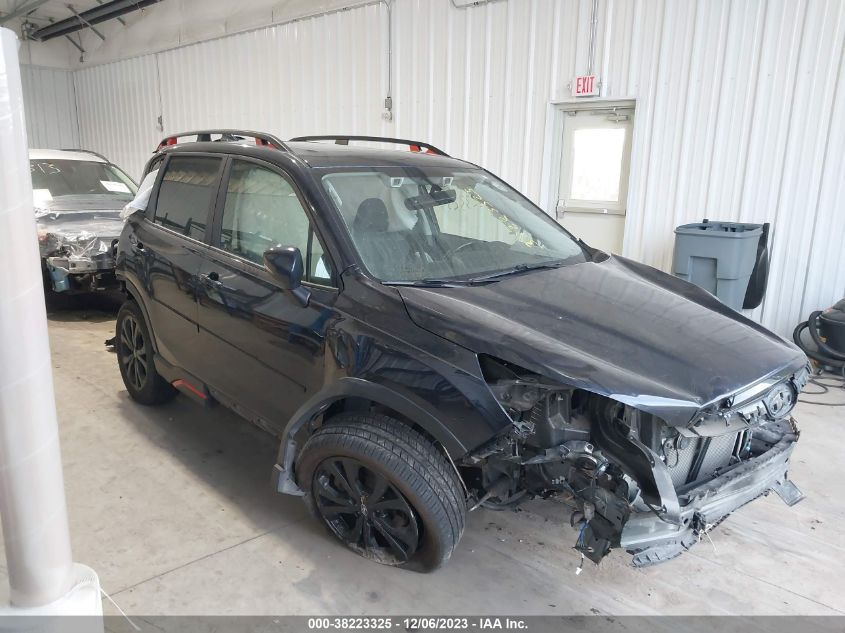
78	198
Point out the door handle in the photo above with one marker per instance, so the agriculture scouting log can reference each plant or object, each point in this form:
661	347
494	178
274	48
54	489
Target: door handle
212	278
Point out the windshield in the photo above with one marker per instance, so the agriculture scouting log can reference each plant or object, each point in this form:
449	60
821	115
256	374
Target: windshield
57	178
439	224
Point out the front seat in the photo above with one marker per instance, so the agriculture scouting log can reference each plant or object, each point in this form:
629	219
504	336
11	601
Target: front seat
379	249
371	217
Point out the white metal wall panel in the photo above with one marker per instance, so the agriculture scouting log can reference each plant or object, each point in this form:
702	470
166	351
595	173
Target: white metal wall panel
118	106
740	106
825	274
818	74
50	108
318	75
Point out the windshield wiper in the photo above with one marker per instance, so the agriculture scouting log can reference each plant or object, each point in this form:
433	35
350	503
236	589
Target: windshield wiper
432	282
436	282
519	268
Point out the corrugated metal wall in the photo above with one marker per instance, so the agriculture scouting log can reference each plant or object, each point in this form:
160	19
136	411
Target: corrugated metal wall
50	108
119	106
317	74
740	106
274	79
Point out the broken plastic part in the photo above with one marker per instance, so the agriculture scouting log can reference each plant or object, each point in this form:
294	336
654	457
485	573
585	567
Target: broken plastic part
789	493
58	277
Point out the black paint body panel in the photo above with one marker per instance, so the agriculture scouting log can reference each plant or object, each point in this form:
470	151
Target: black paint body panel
613	327
610	326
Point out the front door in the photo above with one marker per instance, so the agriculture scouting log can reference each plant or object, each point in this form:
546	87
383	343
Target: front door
594	166
262	349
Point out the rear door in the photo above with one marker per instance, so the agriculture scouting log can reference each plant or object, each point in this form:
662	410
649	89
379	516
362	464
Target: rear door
171	241
261	348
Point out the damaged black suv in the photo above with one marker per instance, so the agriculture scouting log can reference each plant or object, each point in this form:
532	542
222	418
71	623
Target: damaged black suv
424	341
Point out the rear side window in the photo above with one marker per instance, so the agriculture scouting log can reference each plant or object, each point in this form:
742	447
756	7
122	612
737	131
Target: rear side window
187	191
262	210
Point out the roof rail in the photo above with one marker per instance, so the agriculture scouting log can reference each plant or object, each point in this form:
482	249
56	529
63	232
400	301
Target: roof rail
415	146
84	151
261	138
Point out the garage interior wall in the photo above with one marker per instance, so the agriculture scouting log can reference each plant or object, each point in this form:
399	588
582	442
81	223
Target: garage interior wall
51	118
740	106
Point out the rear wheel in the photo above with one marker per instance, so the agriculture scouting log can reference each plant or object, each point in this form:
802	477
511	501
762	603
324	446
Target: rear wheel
135	358
384	490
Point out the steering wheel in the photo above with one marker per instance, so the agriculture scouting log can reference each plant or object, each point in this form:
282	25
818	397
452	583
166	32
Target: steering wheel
472	245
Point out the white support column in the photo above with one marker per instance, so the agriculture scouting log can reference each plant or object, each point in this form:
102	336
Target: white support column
42	577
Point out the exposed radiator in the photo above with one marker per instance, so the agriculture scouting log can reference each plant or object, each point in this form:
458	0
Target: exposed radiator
699	460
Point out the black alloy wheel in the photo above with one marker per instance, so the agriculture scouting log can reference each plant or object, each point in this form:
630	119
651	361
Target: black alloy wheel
132	351
383	489
366	511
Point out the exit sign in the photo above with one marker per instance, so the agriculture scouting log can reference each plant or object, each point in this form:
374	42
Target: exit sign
585	86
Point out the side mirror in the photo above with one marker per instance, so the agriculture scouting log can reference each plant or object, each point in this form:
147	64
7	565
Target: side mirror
286	266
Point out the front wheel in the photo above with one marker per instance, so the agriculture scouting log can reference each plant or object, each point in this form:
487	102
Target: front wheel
384	490
135	358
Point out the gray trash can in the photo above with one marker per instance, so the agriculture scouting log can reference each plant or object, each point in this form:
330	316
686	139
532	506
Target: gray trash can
718	256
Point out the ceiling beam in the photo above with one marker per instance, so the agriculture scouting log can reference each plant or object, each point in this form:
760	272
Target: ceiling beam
23	10
119	19
86	22
108	11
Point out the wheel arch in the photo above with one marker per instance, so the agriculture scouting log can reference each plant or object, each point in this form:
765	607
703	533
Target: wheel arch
134	294
350	393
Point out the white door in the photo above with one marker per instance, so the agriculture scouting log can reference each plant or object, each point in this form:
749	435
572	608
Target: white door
594	166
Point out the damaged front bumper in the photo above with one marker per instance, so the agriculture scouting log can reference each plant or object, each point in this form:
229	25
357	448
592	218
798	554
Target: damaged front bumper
79	260
652	539
81	273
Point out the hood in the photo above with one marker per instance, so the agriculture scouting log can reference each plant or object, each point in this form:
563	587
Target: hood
617	328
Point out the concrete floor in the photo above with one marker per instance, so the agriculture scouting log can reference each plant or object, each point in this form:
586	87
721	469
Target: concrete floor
172	507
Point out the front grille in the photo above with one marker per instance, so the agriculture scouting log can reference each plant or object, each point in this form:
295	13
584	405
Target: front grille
699	460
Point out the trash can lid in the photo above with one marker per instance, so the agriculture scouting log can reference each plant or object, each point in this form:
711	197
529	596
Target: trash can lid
721	229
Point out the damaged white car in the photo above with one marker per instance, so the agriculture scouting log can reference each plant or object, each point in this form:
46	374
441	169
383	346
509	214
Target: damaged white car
78	198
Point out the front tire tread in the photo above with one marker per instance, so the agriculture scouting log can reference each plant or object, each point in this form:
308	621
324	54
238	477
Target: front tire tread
414	462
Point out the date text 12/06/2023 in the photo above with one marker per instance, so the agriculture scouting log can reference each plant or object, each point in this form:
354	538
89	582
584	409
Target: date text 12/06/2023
417	623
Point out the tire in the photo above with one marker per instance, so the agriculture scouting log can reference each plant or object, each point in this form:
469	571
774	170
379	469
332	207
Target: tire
135	358
414	520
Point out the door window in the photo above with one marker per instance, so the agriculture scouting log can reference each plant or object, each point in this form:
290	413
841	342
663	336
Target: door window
595	161
262	210
187	190
597	155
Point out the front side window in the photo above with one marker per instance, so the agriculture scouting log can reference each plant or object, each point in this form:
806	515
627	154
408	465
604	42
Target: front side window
59	178
145	189
186	194
262	210
417	225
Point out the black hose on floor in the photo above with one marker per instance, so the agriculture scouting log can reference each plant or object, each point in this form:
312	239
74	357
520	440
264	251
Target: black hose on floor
825	356
823	353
